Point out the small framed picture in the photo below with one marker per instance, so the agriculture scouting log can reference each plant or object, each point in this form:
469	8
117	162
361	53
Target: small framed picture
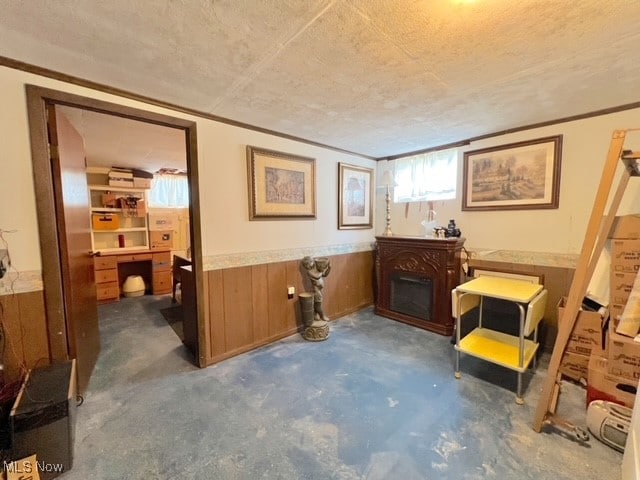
354	197
281	185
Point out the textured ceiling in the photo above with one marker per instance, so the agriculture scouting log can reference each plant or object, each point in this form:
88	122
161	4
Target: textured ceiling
370	76
115	141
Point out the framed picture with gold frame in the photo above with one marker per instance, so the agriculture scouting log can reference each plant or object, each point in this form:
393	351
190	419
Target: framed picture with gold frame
281	185
354	197
517	176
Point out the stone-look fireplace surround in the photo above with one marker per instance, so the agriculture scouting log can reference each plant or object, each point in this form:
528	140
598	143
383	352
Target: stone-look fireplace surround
414	279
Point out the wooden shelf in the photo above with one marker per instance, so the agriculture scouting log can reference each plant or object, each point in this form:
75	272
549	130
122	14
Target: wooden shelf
134	229
121	230
108	188
105	210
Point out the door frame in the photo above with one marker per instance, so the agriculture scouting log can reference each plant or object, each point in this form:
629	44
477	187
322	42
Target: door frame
37	100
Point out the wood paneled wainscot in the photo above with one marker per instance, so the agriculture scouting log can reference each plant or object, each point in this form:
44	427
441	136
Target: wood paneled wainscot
248	306
415	276
23	320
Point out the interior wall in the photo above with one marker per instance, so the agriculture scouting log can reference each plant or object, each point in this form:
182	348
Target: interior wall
226	228
585	147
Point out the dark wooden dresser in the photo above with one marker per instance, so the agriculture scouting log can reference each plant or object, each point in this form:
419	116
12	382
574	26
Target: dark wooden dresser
414	279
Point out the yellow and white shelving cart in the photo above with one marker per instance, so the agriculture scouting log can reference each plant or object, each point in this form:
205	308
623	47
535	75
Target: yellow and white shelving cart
509	351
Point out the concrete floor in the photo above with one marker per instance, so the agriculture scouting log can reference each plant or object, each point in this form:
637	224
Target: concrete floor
378	400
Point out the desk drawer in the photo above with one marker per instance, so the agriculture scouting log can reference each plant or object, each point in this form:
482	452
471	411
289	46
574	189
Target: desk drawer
107	291
161	267
105	276
161	282
161	261
162	257
134	257
104	263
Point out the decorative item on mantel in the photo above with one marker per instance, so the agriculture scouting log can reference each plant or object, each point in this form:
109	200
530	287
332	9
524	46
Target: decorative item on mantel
452	230
316	323
430	224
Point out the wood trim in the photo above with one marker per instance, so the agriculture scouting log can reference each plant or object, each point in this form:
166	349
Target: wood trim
37	100
531	126
63	77
45	201
23	319
216	315
447	146
195	233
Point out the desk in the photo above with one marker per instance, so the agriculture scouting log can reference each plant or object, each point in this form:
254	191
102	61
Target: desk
111	270
509	351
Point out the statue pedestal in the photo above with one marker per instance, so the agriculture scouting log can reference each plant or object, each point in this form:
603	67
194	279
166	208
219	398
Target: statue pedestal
317	331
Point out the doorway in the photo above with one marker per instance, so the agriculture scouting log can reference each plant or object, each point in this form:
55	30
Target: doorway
62	249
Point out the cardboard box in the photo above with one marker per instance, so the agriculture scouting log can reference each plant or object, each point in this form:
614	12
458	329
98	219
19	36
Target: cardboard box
621	286
141	182
624	357
141	208
601	385
120	182
161	239
163	221
625	256
109	200
120	178
588	332
626	227
615	310
575	366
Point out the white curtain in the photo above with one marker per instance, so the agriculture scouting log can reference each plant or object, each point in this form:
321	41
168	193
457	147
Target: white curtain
428	176
169	191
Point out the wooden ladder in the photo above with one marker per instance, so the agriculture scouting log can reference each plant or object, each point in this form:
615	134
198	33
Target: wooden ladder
595	238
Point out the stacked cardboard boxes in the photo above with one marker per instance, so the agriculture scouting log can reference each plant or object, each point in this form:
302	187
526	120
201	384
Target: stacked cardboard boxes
614	372
625	262
142	179
587	338
121	177
603	385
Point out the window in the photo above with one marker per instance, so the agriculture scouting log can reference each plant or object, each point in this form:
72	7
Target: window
169	191
428	176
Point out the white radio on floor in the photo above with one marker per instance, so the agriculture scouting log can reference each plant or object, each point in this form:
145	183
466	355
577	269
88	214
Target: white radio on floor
609	423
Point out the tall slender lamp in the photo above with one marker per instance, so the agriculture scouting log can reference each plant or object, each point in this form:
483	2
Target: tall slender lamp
387	182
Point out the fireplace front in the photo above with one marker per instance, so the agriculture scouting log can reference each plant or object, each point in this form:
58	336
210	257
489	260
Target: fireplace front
411	295
414	279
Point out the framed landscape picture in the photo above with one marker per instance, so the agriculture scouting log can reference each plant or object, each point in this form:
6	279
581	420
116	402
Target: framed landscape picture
281	185
354	197
517	176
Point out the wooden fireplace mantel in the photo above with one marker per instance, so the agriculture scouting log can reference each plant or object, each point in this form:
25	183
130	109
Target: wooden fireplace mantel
433	260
